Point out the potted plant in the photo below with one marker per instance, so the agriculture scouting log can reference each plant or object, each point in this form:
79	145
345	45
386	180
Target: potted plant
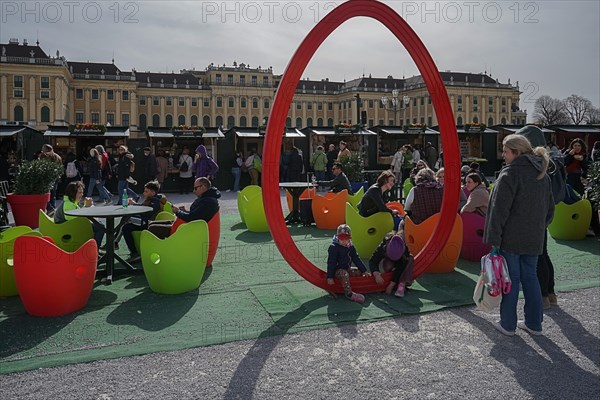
353	168
32	190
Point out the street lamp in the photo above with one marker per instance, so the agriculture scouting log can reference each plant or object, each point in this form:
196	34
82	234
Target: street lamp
395	102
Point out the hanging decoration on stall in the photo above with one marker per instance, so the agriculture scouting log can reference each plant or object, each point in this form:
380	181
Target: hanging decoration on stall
416	128
184	130
87	128
474	127
344	129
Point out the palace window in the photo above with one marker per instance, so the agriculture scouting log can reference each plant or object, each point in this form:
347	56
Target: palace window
45	82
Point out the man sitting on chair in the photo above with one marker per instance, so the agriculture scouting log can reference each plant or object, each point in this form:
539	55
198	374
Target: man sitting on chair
205	206
340	180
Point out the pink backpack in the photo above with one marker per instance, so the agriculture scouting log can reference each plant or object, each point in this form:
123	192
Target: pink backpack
495	273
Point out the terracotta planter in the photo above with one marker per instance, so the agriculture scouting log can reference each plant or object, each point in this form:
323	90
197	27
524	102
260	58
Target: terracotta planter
25	208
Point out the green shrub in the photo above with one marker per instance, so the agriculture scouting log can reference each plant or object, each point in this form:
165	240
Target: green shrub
353	167
37	176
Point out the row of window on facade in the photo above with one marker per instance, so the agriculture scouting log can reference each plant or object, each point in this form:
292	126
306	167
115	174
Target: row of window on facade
242	82
18	85
231	121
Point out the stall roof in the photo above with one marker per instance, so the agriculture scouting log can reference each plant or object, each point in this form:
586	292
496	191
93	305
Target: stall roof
164	132
253	133
399	131
328	130
11	130
63	131
461	130
515	128
576	128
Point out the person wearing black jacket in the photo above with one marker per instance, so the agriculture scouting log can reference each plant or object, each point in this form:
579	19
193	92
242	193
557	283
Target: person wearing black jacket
205	206
332	154
294	170
125	160
340	180
151	167
151	199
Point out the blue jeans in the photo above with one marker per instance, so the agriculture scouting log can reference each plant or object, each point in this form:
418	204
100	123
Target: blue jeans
102	192
522	270
237	173
124	185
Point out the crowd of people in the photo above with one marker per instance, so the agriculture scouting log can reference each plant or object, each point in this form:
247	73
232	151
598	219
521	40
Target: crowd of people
517	212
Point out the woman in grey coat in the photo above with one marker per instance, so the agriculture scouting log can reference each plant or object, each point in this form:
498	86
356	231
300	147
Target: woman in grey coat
521	207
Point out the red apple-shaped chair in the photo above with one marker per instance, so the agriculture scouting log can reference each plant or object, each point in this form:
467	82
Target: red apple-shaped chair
214	233
473	247
51	281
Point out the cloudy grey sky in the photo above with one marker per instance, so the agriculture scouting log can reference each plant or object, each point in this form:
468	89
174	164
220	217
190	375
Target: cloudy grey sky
550	47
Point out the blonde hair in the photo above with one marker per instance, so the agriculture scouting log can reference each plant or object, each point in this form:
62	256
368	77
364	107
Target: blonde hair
519	144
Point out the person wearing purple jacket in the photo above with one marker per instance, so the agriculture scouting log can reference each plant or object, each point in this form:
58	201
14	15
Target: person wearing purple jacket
204	165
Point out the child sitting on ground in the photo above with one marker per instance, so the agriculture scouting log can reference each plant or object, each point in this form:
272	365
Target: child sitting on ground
341	255
394	256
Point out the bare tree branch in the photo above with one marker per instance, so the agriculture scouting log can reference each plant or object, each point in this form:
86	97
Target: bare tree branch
577	108
550	111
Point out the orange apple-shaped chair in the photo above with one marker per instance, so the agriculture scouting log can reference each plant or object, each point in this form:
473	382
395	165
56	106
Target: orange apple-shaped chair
473	247
417	236
329	211
307	194
396	205
51	281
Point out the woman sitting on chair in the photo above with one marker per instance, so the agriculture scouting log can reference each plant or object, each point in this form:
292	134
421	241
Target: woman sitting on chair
374	199
425	199
479	197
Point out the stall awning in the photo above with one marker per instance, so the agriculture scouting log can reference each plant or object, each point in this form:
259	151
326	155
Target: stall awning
515	129
473	131
290	133
211	133
329	131
10	130
64	132
578	129
398	131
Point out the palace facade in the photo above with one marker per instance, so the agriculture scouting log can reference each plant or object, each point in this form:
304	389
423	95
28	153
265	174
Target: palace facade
39	90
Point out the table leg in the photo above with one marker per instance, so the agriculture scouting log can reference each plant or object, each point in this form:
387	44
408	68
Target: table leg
110	249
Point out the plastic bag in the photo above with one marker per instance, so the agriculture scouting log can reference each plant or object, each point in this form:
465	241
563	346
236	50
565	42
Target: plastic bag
495	273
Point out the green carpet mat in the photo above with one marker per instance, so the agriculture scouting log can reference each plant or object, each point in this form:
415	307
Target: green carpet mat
250	292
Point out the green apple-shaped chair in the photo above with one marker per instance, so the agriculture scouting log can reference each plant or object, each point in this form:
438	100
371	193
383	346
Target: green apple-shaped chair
368	232
571	221
165	216
70	235
248	191
253	210
8	287
167	207
176	264
406	187
355	198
